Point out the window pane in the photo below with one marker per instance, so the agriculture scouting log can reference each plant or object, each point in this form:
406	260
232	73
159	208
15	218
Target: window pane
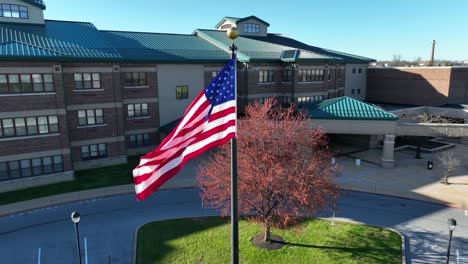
78	77
93	150
3	171
96	84
15	86
102	150
43	127
26	83
58	164
128	79
14	169
32	125
91	119
96	77
48	166
20	125
53	124
48	82
26	168
37	166
3	83
84	152
8	129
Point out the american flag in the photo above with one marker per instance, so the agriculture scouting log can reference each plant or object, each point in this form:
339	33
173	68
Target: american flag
210	121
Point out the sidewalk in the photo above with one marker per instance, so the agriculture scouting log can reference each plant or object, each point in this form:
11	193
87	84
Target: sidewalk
409	179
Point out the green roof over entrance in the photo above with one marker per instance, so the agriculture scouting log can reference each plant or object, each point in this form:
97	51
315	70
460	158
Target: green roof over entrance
350	109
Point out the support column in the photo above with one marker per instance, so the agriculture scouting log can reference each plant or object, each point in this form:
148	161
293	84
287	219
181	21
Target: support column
464	140
387	158
374	141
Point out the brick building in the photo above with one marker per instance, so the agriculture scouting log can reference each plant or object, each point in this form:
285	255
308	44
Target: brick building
430	86
75	97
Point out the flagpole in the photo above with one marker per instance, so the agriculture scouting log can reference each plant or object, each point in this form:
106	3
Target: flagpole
232	34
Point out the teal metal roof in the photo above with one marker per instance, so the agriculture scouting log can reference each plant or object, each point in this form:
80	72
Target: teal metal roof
273	47
38	3
349	108
164	47
54	40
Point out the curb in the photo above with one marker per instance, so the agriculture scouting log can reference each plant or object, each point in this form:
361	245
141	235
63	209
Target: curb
66	198
72	197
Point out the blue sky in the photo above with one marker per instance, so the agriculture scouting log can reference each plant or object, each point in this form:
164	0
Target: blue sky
372	28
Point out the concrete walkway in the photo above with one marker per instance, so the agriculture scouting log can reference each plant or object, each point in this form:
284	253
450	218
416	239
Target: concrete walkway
410	178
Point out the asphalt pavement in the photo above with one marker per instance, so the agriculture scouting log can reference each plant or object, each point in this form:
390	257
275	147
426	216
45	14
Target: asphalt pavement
107	227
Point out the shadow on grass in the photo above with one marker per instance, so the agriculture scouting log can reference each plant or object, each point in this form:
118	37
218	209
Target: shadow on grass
154	237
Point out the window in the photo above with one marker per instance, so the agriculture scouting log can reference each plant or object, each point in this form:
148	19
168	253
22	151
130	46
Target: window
352	91
251	28
287	76
182	92
226	26
360	70
309	100
339	74
137	110
214	74
29	126
358	91
90	117
30	167
94	151
140	140
85	81
14	11
135	79
26	83
311	75
354	70
329	74
286	100
265	76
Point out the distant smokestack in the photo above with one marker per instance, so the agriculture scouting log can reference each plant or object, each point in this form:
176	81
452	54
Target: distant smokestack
432	54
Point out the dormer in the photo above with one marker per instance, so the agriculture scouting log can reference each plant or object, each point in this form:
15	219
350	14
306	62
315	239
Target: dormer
22	11
247	26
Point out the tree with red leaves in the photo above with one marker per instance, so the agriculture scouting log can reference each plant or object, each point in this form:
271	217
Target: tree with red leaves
284	169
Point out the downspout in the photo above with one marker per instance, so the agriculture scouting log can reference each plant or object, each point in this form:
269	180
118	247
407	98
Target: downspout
293	82
65	101
246	85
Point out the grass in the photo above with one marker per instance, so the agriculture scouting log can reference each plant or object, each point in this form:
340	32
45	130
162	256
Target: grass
85	180
207	240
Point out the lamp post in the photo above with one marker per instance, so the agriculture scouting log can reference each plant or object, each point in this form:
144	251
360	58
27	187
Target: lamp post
451	225
75	217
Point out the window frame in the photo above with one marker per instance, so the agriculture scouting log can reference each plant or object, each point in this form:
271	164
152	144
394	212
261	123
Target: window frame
311	75
31	126
134	142
21	10
142	109
182	94
87	117
140	80
27	87
83	82
286	76
266	76
251	28
26	168
97	149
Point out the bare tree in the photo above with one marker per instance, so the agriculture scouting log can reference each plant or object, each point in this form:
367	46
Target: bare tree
450	161
432	118
396	61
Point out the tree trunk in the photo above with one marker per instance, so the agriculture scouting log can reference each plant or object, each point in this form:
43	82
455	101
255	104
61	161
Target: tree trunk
266	237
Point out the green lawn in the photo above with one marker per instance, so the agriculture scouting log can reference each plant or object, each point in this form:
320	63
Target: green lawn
207	240
86	179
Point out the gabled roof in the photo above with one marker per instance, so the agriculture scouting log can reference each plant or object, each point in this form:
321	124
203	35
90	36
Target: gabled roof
274	47
253	17
163	47
227	18
349	108
38	3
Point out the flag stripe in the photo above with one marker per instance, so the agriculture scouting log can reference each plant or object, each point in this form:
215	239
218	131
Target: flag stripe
209	121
